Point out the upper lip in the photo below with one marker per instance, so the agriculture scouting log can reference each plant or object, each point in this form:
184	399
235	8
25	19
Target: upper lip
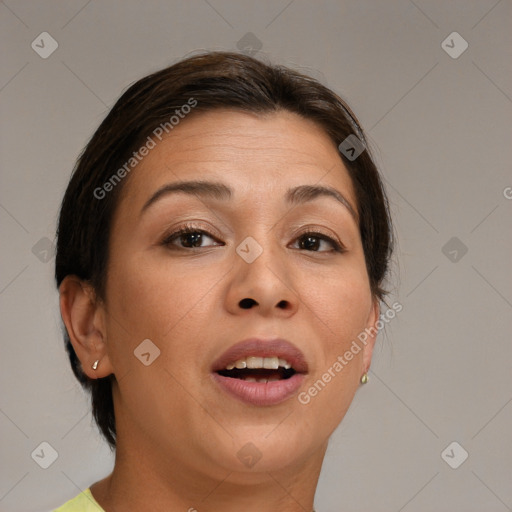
276	347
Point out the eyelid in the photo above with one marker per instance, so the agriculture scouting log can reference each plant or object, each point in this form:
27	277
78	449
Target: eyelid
187	227
195	226
329	236
315	229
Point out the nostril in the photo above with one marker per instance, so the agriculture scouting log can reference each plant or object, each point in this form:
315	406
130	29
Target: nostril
283	304
247	303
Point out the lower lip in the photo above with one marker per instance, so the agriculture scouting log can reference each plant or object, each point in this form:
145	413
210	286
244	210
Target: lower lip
260	393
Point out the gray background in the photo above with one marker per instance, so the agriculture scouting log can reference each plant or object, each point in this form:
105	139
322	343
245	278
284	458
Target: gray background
440	129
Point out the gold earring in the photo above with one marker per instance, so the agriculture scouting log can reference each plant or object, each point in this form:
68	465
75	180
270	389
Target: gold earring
364	378
95	364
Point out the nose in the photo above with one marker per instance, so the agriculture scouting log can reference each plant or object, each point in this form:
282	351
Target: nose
248	303
264	287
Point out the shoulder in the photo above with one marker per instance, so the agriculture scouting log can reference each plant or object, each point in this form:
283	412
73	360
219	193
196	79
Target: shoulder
84	502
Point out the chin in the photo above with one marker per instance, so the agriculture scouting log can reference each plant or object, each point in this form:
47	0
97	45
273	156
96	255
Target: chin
259	450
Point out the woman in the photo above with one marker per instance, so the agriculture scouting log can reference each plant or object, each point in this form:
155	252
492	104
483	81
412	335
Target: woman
222	246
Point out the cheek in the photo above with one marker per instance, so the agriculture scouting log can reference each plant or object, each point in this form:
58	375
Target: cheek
152	298
340	307
149	300
339	303
156	302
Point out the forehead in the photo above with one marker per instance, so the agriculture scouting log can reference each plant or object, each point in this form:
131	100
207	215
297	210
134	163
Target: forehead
263	155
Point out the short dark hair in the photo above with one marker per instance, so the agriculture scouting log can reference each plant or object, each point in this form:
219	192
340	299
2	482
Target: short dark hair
214	80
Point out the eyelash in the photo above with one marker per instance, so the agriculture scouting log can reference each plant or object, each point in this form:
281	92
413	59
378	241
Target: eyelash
189	228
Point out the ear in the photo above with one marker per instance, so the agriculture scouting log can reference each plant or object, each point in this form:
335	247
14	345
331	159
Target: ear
372	332
84	318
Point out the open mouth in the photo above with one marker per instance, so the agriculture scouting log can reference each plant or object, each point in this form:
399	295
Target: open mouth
260	372
258	369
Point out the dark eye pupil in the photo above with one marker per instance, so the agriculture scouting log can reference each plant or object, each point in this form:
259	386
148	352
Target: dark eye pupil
191	239
310	243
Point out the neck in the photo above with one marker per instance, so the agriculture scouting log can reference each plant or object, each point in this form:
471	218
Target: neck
146	479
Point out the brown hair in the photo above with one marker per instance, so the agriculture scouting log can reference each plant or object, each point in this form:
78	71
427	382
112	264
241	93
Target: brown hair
213	80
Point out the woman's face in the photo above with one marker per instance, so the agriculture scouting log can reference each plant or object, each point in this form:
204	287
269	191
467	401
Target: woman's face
247	269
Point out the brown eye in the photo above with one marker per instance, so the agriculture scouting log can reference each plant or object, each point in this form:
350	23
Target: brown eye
189	238
313	241
310	243
192	239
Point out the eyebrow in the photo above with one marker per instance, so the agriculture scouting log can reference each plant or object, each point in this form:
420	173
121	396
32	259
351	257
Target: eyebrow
219	191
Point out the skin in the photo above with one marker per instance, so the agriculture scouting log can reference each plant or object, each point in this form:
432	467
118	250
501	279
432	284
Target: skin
178	433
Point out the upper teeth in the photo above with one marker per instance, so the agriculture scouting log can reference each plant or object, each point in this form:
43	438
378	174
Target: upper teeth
270	363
